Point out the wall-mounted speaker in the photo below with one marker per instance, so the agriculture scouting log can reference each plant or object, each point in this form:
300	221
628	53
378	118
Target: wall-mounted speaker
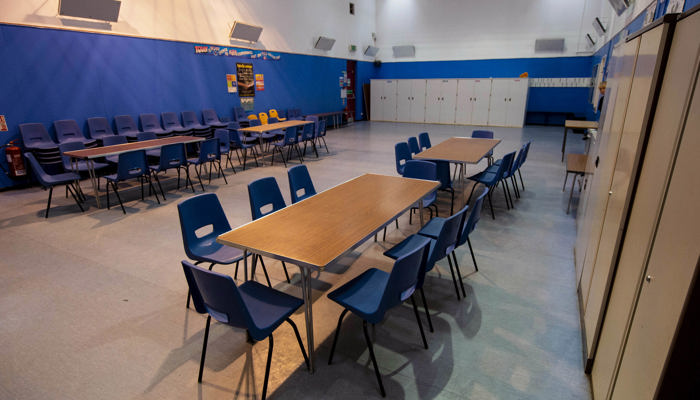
245	32
377	63
591	42
324	43
549	45
404	51
619	5
599	26
103	10
371	51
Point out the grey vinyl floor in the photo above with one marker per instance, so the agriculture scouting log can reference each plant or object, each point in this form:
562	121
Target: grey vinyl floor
92	305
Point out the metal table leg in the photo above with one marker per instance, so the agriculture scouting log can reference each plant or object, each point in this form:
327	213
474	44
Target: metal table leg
93	179
308	314
563	144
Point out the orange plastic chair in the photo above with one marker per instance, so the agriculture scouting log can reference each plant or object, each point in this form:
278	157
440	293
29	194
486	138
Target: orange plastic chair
273	114
263	118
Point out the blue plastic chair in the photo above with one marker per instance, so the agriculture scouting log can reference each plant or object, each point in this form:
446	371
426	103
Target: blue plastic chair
82	165
69	179
171	122
190	121
237	144
36	137
67	130
490	177
300	184
172	156
403	154
143	136
111	141
264	193
225	145
420	169
321	133
150	123
509	173
308	135
240	116
98	128
251	306
290	141
371	294
424	141
413	145
522	161
131	165
212	120
209	153
202	211
126	126
483	134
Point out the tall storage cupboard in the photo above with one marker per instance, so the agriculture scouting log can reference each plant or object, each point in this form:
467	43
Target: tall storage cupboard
410	103
473	96
440	101
383	103
508	101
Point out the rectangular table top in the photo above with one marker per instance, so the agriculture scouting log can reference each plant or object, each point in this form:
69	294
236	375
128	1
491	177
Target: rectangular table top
576	124
321	228
459	150
275	126
126	147
327	114
576	163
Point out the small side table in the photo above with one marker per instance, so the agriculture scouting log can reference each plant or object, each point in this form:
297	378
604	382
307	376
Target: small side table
575	164
575	124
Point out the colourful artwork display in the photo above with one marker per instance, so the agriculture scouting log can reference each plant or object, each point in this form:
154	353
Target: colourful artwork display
259	82
231	83
236	52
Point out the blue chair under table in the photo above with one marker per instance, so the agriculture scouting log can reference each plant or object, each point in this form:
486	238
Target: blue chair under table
237	143
374	292
300	184
198	212
69	179
490	177
209	153
172	156
143	136
290	140
131	165
420	169
424	141
111	141
413	145
81	166
251	306
402	153
483	134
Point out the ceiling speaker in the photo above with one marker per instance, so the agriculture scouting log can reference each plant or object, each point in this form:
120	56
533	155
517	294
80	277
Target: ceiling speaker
404	51
598	26
549	45
371	51
324	43
103	10
245	32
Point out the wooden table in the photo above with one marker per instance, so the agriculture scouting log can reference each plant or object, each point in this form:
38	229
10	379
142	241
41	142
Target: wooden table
459	150
575	124
89	155
575	164
317	231
335	114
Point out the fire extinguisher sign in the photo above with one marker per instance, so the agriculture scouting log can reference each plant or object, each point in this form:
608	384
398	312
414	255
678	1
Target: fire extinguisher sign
3	124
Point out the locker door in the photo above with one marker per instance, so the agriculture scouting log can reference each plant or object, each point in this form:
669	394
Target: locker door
432	100
465	97
517	99
390	100
497	105
418	100
480	103
449	101
377	105
403	100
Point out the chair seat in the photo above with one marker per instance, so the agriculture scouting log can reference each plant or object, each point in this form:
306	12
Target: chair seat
213	252
363	294
60	179
268	307
487	177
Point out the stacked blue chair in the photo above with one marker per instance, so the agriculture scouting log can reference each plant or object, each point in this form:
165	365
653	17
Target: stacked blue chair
209	153
413	145
69	179
424	141
212	120
111	141
143	136
190	121
371	294
265	192
67	130
171	122
150	123
198	212
290	141
251	306
491	176
131	165
126	126
172	156
300	184
98	128
240	116
36	139
237	144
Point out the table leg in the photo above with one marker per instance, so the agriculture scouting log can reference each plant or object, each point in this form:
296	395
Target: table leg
420	211
563	144
308	314
571	195
245	265
93	180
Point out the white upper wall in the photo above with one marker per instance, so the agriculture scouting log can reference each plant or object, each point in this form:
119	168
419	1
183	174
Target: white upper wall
288	26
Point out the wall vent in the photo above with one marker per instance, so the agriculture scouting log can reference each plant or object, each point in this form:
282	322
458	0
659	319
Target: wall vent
549	45
246	32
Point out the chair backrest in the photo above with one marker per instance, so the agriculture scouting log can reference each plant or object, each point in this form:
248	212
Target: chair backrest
172	156
38	170
307	132
171	120
98	127
239	113
69	146
198	212
527	151
274	114
290	135
413	145
322	127
132	164
403	154
315	124
448	236
424	140
405	276
255	122
472	219
252	117
263	117
300	184
141	136
67	130
33	133
150	123
517	161
209	150
272	120
125	124
482	134
189	118
505	166
420	169
224	139
210	117
112	140
217	295
262	193
235	138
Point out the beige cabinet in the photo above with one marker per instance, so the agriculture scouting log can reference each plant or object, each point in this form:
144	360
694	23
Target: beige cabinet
410	103
383	99
473	97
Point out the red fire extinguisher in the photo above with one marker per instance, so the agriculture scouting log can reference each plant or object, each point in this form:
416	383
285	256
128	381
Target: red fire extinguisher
14	160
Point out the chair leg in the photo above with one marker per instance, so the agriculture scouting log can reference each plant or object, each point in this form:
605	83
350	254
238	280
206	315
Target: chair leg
162	193
48	205
114	187
204	349
301	345
469	242
459	274
427	311
75	197
420	325
199	176
150	187
187	178
218	162
325	145
374	359
454	278
267	367
337	333
284	266
493	216
521	179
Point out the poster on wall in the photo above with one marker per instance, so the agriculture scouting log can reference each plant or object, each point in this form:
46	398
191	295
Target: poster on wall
236	52
246	82
259	82
231	83
248	103
3	124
